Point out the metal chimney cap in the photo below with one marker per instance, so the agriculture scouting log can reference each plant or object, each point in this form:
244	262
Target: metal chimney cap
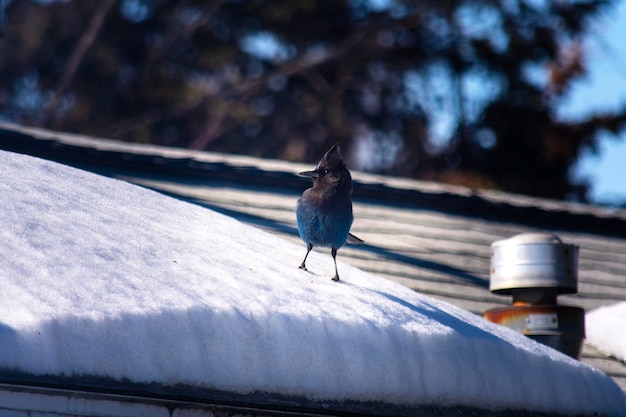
534	260
530	239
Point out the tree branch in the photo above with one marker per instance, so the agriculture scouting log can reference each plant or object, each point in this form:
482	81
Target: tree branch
84	43
295	66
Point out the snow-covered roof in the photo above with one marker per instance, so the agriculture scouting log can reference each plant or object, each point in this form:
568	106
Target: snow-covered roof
429	237
108	280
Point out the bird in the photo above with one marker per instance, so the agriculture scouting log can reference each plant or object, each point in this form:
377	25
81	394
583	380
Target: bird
324	212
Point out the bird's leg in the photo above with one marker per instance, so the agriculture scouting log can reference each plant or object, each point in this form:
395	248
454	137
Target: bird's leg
333	252
308	249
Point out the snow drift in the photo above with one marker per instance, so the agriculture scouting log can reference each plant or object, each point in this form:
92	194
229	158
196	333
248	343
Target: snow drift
606	329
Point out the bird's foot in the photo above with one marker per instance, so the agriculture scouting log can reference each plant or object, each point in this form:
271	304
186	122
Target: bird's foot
303	267
336	278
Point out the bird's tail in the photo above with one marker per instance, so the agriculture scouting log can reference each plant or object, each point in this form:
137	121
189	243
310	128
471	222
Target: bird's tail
354	240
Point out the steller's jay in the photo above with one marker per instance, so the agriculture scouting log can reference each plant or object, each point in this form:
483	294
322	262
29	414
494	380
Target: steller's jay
324	212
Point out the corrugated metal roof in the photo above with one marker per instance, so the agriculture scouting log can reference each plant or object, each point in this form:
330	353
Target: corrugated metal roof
430	237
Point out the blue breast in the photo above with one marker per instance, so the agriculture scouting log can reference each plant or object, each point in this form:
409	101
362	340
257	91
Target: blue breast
320	227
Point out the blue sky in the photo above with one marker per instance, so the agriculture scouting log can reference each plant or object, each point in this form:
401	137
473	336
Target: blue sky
604	89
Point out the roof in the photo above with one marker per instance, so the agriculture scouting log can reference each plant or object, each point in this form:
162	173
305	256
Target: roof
430	237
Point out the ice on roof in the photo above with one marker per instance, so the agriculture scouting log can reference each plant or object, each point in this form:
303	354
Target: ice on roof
106	279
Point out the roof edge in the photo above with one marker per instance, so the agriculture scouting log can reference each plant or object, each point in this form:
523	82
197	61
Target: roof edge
215	402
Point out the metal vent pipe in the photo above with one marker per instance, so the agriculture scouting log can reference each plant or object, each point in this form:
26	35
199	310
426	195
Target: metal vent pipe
535	268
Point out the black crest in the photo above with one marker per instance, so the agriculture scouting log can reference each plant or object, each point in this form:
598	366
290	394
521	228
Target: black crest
332	159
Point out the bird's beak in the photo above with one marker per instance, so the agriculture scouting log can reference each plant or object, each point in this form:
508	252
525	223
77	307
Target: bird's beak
309	174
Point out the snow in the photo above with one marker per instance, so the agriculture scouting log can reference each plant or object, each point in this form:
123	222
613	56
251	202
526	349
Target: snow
106	279
606	329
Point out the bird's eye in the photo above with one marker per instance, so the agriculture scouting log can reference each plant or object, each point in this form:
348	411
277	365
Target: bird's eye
326	172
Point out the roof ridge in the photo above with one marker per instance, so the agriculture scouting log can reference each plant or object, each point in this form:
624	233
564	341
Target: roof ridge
110	157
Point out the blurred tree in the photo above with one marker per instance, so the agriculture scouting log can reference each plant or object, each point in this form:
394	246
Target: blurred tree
460	91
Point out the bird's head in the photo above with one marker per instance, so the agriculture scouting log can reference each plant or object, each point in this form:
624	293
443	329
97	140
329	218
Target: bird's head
330	169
